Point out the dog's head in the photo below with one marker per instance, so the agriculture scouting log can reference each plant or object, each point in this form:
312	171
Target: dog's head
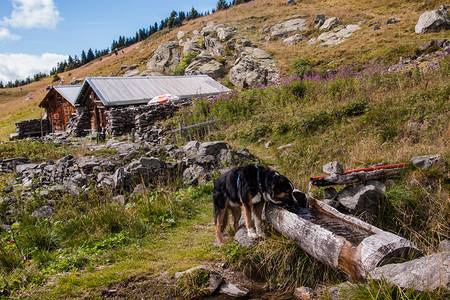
281	191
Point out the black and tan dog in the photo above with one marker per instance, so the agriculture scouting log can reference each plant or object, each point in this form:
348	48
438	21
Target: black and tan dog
249	187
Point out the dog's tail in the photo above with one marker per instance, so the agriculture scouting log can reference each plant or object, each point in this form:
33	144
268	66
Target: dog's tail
219	207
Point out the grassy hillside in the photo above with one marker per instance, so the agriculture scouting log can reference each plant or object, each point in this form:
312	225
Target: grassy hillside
329	108
384	46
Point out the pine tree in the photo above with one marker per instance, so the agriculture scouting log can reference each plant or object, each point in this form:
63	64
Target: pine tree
90	55
222	4
83	58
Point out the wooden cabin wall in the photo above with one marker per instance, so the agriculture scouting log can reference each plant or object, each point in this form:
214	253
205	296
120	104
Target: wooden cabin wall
59	112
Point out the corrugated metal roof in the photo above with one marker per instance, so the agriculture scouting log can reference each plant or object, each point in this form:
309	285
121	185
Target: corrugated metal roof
69	92
116	91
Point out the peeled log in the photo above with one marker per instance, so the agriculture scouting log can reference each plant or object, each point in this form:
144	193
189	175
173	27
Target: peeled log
330	247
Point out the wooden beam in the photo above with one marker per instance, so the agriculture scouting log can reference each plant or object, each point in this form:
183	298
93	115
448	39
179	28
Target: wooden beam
334	247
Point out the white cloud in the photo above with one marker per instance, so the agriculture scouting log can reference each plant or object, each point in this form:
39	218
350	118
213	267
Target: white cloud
6	35
19	66
33	14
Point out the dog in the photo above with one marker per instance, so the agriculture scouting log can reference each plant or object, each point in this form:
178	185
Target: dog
248	187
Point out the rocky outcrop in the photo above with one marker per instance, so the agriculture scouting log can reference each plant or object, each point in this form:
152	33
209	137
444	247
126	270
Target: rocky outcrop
254	67
204	63
293	40
283	29
330	24
428	161
433	21
225	33
337	36
164	58
214	46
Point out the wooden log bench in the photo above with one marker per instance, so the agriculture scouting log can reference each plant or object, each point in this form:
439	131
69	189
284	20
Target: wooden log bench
340	241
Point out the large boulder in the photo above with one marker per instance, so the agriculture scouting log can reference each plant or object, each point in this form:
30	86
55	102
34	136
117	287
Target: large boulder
165	57
424	274
193	45
337	36
330	23
214	46
361	200
234	290
206	64
212	148
283	29
433	21
427	161
293	40
254	67
225	33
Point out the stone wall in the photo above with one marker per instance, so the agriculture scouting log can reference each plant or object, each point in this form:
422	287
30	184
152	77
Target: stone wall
28	128
121	121
78	125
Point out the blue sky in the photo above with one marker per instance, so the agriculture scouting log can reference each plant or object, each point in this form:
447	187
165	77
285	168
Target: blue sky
36	34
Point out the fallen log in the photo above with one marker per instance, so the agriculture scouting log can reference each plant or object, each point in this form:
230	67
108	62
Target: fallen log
340	241
358	175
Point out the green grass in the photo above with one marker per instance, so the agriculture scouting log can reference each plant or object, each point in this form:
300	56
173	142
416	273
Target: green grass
150	234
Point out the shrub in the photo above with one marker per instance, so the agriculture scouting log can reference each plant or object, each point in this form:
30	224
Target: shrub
301	67
298	88
185	62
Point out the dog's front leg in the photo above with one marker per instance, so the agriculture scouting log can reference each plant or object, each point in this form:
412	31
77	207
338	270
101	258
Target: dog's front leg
257	212
248	221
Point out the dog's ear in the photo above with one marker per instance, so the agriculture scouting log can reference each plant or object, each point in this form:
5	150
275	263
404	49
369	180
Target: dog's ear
300	198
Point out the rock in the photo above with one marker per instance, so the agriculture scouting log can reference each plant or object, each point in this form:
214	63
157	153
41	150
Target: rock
424	274
331	202
251	27
337	36
165	57
25	167
152	162
87	164
376	27
43	212
193	45
254	67
293	40
285	146
206	64
329	193
319	20
311	41
184	273
119	178
444	246
140	189
330	24
233	290
433	21
191	149
194	174
243	239
393	20
9	165
215	281
290	2
208	29
119	200
8	189
303	293
333	168
181	34
341	291
214	46
267	145
225	33
427	161
361	200
283	29
212	148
